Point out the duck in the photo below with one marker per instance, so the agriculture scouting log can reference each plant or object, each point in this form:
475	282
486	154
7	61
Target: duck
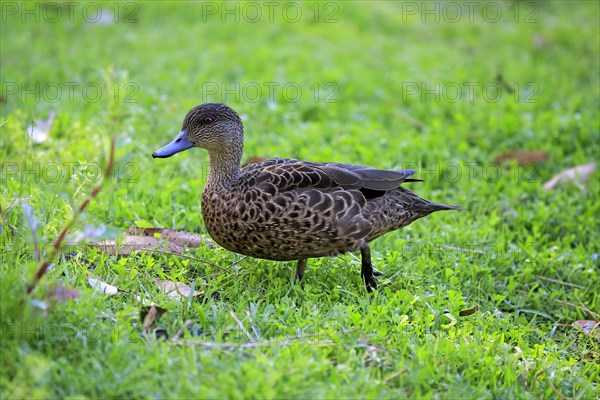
284	209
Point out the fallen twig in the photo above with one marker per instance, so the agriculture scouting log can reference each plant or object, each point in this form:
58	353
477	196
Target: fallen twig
560	282
233	346
304	338
555	389
414	121
394	375
181	330
242	327
580	307
463	250
190	258
4	213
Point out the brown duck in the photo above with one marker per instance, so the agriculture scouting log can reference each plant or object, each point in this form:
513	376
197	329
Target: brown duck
285	209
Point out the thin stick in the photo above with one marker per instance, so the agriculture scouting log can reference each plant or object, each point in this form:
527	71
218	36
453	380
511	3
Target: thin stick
394	375
188	257
555	389
445	246
242	327
4	213
232	346
181	330
252	326
580	307
43	268
420	125
236	262
560	282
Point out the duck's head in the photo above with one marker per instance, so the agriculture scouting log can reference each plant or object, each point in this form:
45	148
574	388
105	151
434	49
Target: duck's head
211	126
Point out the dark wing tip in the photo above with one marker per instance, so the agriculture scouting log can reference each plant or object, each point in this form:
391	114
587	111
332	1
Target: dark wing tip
449	207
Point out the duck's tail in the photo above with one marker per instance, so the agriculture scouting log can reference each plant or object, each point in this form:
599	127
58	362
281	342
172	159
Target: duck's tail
442	207
421	205
398	208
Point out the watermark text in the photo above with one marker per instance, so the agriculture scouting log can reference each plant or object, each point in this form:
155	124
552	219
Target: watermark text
53	92
91	12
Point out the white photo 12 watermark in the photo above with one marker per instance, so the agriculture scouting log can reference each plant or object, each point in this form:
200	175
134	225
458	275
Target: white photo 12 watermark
270	92
269	11
69	11
54	92
469	11
453	92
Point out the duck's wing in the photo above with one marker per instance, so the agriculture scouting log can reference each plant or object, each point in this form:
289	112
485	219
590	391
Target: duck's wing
290	174
359	177
328	197
320	202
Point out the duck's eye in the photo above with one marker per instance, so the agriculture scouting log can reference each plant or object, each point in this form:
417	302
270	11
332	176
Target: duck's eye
208	120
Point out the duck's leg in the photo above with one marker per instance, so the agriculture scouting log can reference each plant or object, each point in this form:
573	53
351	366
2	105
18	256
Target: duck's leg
367	270
300	269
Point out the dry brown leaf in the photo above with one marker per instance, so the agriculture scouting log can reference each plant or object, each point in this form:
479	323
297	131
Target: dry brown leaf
150	318
178	237
132	244
102	286
151	314
588	327
140	239
525	157
468	311
578	175
176	290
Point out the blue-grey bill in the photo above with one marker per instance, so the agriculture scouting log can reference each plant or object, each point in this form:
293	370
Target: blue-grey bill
180	143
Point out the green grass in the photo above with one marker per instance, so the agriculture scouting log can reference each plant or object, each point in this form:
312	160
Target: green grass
328	338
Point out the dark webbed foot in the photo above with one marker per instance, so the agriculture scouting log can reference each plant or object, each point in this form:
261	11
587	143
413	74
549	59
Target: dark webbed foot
300	269
367	271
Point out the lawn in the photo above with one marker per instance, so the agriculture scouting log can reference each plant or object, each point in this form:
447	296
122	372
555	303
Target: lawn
480	303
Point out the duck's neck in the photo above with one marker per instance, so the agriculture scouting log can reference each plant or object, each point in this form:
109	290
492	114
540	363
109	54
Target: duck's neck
224	168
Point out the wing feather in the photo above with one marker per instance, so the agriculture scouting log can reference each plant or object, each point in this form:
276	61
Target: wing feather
290	174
